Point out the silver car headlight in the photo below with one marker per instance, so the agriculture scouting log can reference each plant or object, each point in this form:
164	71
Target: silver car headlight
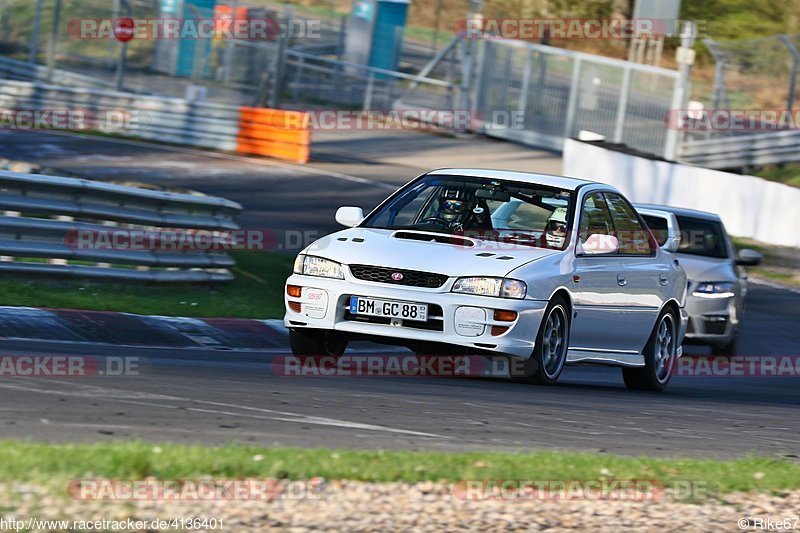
714	289
310	265
497	287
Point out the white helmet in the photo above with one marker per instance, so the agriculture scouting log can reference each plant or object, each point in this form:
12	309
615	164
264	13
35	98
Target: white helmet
453	204
555	232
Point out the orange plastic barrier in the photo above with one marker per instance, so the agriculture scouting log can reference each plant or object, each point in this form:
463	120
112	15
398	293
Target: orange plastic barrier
274	133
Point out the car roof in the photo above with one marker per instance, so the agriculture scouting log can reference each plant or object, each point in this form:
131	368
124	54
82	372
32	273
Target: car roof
548	180
681	211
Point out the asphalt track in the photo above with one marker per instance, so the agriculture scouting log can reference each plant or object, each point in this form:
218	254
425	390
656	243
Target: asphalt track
220	396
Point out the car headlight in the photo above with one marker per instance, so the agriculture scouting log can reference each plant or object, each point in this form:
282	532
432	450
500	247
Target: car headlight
714	289
310	265
498	287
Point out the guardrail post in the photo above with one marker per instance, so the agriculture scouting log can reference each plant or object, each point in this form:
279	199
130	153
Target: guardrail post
795	64
680	95
334	96
51	47
123	51
226	73
275	95
622	105
368	91
37	24
572	103
474	68
506	76
522	105
298	75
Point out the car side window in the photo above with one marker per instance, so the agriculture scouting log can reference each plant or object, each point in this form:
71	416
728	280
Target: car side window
633	236
659	227
595	217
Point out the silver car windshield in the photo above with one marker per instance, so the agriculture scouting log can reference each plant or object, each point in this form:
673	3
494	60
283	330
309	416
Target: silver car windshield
483	208
702	237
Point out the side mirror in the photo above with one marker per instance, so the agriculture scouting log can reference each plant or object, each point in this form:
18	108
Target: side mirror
349	216
599	244
673	242
748	257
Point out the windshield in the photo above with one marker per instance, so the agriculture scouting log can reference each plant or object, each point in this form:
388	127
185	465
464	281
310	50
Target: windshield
521	213
702	237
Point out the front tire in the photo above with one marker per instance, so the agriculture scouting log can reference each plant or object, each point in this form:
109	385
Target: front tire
660	355
316	342
544	366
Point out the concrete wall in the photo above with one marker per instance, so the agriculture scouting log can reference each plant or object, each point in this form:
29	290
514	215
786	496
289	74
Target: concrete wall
750	207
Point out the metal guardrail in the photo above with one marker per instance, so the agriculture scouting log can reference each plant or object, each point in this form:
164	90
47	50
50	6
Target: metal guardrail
560	92
171	120
161	119
742	151
14	69
41	215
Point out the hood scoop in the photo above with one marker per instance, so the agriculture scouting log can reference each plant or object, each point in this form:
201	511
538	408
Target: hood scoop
434	237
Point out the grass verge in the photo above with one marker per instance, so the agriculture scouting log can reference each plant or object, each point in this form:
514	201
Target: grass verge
788	173
257	292
24	461
781	263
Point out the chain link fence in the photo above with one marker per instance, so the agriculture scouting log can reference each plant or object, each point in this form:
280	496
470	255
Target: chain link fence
555	93
755	97
755	73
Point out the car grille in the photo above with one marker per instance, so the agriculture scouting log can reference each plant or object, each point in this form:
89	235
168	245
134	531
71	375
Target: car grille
411	278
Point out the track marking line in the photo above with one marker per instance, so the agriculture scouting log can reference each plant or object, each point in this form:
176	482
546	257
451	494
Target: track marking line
232	157
771	284
126	396
321	421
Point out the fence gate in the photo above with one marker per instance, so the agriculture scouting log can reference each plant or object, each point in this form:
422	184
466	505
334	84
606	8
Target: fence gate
540	95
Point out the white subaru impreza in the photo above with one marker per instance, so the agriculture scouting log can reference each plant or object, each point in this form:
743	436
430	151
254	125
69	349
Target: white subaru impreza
544	270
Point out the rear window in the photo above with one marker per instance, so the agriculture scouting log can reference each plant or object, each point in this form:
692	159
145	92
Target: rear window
702	237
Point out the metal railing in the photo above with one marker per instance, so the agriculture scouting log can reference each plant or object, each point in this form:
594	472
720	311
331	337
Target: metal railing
557	93
280	76
742	151
751	76
14	69
41	215
156	118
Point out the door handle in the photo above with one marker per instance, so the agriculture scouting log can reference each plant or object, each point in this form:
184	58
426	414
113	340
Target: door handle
621	281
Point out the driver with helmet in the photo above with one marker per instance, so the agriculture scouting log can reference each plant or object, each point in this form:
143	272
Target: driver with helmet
461	212
555	231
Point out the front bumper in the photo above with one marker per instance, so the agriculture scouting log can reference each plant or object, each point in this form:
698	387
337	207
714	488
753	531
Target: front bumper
711	320
324	304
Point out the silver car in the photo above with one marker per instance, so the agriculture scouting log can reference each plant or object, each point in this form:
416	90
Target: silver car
544	270
717	281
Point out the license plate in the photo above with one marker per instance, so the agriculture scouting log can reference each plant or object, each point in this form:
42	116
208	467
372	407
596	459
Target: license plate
388	308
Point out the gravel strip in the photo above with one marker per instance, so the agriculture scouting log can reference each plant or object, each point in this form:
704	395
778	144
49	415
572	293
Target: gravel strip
355	506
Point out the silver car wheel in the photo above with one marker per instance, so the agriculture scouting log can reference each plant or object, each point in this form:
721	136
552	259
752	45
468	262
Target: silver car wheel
554	341
664	347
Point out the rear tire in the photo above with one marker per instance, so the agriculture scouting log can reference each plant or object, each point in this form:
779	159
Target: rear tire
544	366
316	342
660	355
